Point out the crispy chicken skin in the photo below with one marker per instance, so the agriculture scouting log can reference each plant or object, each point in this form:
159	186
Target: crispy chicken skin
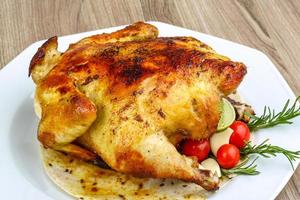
129	95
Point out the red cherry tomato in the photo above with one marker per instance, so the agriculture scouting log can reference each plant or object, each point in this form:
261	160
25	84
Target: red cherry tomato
240	135
228	156
198	148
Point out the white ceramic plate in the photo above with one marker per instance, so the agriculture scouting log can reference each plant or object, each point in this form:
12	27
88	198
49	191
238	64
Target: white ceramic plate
21	173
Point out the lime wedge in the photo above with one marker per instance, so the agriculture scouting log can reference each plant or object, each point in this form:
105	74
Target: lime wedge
227	115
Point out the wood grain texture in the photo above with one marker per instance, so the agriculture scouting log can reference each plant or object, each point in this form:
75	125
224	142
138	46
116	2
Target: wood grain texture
271	26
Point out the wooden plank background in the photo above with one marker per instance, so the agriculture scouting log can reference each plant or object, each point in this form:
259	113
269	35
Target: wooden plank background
272	26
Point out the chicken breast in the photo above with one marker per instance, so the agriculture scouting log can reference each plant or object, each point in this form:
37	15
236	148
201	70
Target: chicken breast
130	96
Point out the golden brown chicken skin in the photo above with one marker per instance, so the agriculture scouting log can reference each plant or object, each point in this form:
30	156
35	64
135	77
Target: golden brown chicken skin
130	96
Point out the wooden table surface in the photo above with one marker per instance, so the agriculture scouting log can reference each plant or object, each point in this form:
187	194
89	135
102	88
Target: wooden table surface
272	26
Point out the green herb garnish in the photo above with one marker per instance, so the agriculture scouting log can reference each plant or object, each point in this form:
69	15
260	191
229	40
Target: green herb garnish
242	169
268	150
270	119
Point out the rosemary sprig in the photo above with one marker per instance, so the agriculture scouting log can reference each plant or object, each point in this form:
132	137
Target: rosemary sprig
270	119
268	150
242	169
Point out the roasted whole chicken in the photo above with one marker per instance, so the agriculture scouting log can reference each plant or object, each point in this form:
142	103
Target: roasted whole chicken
130	96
